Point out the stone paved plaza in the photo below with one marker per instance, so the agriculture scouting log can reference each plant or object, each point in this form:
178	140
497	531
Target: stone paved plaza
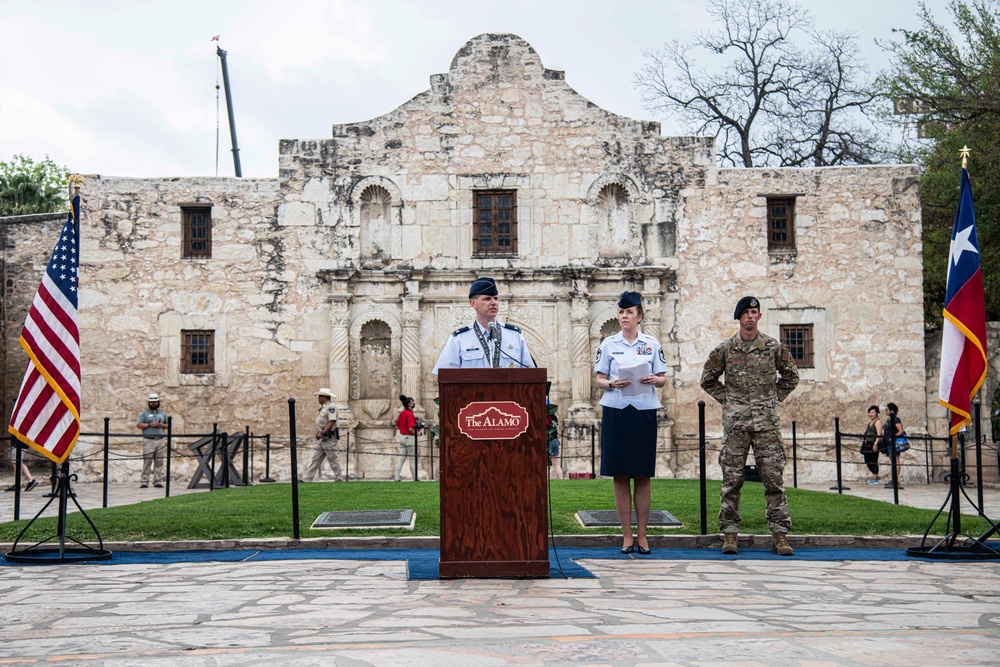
634	612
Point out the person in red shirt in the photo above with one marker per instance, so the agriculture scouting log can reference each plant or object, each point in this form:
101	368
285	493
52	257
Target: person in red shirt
406	424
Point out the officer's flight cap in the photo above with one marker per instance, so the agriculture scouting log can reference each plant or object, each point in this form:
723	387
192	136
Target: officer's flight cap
486	286
630	299
745	303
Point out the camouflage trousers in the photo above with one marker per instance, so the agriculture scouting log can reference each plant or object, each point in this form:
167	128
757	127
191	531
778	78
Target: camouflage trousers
769	454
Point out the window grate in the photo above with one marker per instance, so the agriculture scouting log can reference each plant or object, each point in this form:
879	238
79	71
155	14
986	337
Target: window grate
197	352
495	225
780	224
798	338
197	231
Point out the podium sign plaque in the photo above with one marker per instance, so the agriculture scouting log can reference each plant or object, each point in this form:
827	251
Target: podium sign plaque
494	497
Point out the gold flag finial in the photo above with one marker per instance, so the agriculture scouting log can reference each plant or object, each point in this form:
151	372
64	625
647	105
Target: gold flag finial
75	181
964	152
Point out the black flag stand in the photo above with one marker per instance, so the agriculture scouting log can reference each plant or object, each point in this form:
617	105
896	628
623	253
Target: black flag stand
49	552
957	545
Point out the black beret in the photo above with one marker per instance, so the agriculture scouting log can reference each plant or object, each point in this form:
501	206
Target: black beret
486	286
745	303
630	299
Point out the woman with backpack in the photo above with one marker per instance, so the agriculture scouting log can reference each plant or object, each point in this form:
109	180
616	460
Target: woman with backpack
894	440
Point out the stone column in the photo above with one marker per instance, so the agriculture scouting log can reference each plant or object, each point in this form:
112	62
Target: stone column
581	407
340	364
411	340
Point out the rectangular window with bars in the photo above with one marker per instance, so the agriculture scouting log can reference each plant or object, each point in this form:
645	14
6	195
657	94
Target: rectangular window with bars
197	352
780	224
197	231
798	338
495	225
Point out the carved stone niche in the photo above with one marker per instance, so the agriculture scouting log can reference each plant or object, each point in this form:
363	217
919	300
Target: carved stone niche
376	362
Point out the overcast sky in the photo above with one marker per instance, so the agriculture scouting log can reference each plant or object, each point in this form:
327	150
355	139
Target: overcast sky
129	88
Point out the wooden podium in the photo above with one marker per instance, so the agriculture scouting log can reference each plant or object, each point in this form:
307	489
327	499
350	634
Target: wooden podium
494	497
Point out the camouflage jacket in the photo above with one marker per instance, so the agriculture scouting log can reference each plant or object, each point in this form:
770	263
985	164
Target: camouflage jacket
759	374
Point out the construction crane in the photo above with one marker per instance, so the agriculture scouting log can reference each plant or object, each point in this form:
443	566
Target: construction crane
229	107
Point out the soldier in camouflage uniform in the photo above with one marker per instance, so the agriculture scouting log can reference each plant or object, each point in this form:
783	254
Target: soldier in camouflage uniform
760	373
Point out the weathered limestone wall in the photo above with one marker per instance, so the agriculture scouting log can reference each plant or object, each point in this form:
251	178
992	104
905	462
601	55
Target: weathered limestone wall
137	294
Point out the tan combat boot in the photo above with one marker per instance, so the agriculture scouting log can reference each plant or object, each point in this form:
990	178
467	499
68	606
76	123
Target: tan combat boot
780	546
729	544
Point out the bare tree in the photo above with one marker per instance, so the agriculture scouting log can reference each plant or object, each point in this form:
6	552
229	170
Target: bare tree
770	102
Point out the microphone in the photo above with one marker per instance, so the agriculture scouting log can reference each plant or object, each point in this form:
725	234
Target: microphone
494	331
516	361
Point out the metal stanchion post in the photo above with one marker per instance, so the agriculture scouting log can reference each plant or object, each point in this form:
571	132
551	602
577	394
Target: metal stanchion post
795	458
702	472
836	438
928	457
170	446
976	414
295	468
347	459
107	452
246	456
416	456
18	459
593	451
211	462
267	459
893	455
225	460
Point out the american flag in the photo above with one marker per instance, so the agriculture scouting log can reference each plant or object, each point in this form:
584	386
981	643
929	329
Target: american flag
46	414
963	340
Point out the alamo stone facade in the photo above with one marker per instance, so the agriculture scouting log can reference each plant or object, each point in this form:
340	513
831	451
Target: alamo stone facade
351	269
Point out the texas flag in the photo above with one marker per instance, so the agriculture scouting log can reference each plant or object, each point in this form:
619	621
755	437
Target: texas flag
963	343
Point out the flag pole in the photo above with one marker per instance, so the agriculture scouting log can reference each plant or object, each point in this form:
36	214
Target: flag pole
39	552
963	369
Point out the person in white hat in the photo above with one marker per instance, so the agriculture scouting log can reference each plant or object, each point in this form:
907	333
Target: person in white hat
153	423
327	435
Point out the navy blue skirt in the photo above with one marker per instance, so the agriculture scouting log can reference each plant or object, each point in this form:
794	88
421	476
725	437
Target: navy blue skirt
628	442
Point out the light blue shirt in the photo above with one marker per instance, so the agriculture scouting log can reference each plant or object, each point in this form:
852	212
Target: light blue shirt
464	350
615	353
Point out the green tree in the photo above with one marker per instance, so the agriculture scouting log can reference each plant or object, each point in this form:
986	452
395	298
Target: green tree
28	187
954	81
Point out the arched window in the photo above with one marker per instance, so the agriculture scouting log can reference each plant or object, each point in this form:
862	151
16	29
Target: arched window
375	378
375	218
613	221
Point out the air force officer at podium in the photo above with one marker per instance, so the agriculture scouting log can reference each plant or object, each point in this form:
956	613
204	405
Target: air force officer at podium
485	343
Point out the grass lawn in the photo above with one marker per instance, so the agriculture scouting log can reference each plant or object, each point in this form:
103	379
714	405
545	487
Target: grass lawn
265	511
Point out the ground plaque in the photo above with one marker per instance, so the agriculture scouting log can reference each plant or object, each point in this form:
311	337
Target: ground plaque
609	518
366	519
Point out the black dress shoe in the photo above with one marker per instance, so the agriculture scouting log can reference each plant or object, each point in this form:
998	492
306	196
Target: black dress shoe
645	551
628	549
